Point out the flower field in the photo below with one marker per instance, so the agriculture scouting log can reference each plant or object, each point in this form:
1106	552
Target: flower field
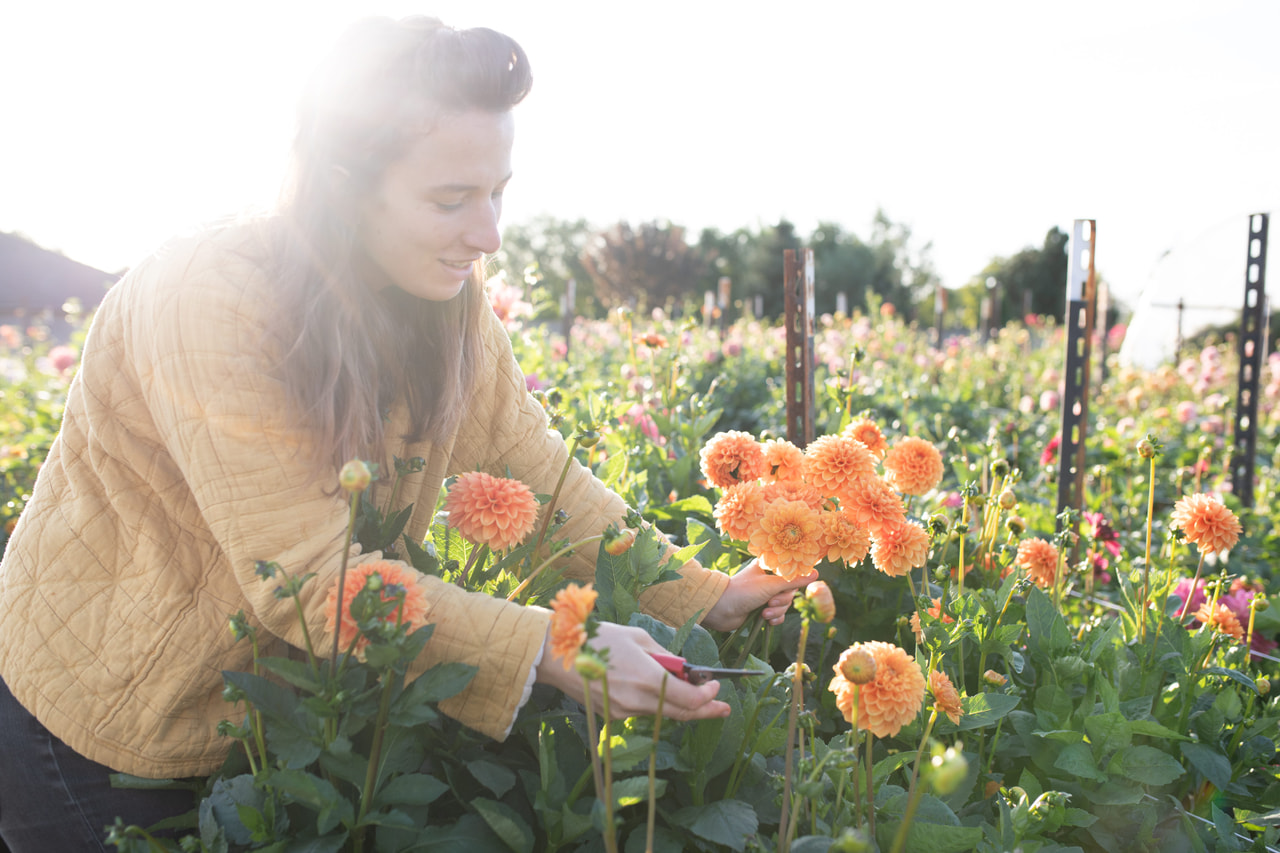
972	672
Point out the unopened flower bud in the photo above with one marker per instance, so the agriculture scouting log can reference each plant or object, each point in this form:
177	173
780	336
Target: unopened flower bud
1000	467
941	574
1016	524
618	542
373	582
824	605
947	771
857	665
1259	603
588	438
851	841
589	665
1264	685
994	678
1008	500
1146	449
355	476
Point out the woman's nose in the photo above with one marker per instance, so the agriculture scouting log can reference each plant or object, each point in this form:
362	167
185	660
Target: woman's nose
483	234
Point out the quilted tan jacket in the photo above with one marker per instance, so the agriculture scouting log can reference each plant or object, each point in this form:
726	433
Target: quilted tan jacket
176	469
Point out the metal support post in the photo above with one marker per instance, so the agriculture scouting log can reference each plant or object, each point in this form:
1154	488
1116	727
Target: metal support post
798	289
568	313
1253	343
1081	301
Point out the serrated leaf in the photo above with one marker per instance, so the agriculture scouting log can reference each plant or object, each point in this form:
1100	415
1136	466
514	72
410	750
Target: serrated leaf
727	822
1077	759
296	672
635	789
494	776
930	837
411	789
506	824
1153	729
268	697
1210	762
443	680
1047	632
1146	765
1234	675
980	711
1108	732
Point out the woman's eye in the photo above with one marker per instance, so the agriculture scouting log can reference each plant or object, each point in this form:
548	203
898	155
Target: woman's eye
447	206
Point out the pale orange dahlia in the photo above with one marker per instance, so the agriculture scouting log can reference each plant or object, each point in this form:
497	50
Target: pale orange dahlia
391	575
935	610
913	466
802	492
1039	560
739	509
945	697
891	699
866	431
845	540
899	548
569	612
833	463
784	462
732	457
788	540
874	505
1207	522
1220	618
493	511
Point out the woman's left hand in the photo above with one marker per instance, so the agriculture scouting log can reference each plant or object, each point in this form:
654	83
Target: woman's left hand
750	588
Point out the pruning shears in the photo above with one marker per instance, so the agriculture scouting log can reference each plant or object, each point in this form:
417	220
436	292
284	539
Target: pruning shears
698	675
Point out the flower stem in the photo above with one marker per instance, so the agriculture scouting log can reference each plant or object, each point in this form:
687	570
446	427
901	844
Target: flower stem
557	555
1191	593
342	580
550	508
610	833
915	770
871	790
653	768
1146	566
756	625
375	760
797	690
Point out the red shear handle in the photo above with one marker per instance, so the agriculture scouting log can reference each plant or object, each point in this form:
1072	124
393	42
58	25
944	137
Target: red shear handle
673	664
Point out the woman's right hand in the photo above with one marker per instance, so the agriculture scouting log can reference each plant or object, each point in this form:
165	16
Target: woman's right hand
635	679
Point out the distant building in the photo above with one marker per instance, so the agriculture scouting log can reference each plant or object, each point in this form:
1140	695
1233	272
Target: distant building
35	283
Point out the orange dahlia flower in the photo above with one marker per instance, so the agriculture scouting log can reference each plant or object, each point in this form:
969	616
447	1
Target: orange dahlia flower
913	466
784	462
874	505
391	575
739	510
935	610
1207	522
899	548
493	511
788	539
891	699
1039	560
569	612
802	492
945	697
732	457
1220	618
866	431
846	542
833	463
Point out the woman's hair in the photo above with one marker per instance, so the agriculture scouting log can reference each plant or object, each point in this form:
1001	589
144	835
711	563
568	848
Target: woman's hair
348	351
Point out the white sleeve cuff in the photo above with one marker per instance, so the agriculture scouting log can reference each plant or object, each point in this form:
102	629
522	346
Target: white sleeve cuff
529	681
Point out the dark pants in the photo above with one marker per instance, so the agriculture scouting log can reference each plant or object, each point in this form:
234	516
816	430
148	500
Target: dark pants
54	799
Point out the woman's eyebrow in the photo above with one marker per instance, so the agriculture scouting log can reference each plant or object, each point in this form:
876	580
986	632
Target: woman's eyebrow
458	188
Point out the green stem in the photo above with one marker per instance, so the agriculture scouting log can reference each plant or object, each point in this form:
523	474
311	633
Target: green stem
342	580
550	509
653	768
797	689
871	789
375	760
751	638
1146	566
900	838
611	832
924	741
557	555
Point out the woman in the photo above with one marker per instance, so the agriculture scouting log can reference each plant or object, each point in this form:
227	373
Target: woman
223	383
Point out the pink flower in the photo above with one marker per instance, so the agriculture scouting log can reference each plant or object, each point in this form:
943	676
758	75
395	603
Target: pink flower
62	358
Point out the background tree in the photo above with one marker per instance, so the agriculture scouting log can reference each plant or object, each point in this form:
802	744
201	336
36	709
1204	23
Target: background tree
549	250
1032	281
651	264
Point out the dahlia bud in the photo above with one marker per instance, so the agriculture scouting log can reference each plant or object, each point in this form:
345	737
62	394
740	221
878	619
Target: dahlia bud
941	574
1259	603
947	771
857	665
618	542
824	605
373	582
994	678
1016	524
588	438
1008	500
1000	467
1146	449
355	476
1264	685
851	841
589	665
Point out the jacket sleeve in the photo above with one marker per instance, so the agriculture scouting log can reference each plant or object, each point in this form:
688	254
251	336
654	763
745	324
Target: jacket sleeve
508	432
251	472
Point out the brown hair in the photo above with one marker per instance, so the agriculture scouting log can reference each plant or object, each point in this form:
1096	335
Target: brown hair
347	351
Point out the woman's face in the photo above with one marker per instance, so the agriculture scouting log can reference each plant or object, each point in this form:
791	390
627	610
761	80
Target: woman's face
435	211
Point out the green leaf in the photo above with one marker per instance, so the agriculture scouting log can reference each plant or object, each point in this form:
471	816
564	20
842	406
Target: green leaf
727	822
930	837
411	789
492	775
506	824
296	672
1211	763
331	807
635	789
1146	765
1153	729
1047	632
443	680
270	698
1108	733
980	711
1234	675
224	802
1077	759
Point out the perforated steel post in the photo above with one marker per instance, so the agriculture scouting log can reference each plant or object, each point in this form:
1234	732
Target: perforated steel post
1252	350
1081	293
798	289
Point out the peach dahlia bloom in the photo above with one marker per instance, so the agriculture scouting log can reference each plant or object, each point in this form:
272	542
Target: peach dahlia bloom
392	575
945	697
1220	618
846	541
899	548
913	466
888	701
493	511
784	462
874	505
739	510
788	539
935	610
569	612
1039	560
866	431
1207	522
730	458
833	463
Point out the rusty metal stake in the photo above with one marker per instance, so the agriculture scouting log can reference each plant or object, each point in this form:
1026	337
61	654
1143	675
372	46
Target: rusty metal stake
798	289
1254	337
1081	301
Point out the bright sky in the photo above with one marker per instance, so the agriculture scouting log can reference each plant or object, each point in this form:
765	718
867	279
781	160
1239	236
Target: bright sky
981	125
